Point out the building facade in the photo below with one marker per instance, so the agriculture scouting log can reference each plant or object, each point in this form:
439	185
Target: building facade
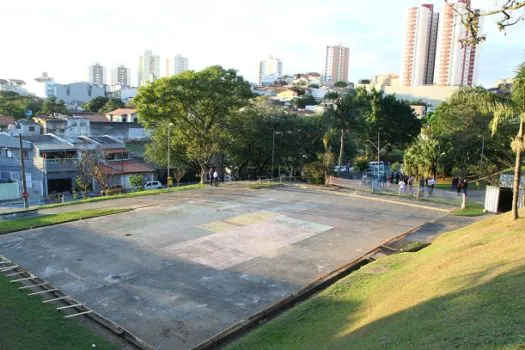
419	54
121	76
97	74
176	65
149	68
336	63
75	94
270	66
457	63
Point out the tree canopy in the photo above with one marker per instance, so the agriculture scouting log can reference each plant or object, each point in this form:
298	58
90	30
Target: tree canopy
95	104
197	104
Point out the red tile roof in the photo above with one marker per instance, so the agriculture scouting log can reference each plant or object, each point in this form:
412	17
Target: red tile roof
122	111
96	118
125	167
5	120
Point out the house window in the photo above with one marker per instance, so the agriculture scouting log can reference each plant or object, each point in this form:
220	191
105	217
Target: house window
8	153
25	154
31	128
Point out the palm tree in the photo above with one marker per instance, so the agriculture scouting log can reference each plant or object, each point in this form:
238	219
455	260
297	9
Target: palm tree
344	116
514	111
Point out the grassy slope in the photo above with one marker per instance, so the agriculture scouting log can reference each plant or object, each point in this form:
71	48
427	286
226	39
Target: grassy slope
53	219
26	323
463	291
471	209
123	195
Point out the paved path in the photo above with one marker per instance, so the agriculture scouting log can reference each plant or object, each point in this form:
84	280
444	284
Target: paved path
200	260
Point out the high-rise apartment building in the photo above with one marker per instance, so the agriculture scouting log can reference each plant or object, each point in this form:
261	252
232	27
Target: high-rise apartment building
270	66
457	63
419	55
97	74
336	63
176	65
149	68
121	76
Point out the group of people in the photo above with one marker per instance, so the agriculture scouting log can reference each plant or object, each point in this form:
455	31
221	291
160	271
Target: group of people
213	177
424	183
459	184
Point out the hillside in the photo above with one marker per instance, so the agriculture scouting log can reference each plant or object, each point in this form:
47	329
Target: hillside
463	291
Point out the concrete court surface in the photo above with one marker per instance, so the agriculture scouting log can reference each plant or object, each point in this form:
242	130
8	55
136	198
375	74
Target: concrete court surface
179	273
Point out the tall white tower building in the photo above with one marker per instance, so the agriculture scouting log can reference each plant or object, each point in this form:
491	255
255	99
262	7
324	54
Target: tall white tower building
121	76
419	54
269	66
176	65
457	64
97	74
149	68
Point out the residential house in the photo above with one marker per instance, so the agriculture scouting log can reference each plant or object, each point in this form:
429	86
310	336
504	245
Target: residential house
57	160
25	127
5	121
10	165
114	161
287	95
123	115
65	126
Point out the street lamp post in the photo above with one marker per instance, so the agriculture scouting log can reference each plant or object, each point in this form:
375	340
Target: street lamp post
168	183
379	149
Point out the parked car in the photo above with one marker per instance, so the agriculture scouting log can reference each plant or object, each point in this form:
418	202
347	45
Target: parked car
152	185
344	168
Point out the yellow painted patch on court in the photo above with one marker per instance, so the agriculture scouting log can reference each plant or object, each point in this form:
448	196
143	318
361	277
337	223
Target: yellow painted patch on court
251	218
217	226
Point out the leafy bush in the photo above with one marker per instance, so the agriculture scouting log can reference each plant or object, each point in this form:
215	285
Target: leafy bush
136	181
395	167
315	172
361	164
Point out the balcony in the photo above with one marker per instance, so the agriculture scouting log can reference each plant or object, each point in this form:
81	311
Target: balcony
57	165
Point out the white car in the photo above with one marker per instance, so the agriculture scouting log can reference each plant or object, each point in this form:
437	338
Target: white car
344	168
152	185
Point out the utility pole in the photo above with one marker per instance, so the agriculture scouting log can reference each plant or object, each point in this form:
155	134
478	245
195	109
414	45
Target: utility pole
273	152
168	182
25	195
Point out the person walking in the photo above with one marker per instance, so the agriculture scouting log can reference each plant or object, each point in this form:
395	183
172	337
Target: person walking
431	184
465	187
397	177
422	183
216	178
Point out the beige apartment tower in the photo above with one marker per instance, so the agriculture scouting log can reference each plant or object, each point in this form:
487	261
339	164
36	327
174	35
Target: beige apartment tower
419	54
336	64
457	63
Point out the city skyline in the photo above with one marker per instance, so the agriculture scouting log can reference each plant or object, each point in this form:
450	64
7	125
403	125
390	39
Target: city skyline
374	40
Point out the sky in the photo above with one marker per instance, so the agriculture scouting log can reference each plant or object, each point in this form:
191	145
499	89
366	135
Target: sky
63	37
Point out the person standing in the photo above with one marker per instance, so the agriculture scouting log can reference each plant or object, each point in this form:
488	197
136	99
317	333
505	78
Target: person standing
465	187
216	178
210	176
454	183
459	186
397	177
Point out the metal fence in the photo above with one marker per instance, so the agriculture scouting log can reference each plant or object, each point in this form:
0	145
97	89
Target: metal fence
424	193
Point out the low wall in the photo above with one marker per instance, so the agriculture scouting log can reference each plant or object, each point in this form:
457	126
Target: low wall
18	214
9	191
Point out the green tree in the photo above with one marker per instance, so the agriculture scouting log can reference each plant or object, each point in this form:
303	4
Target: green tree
340	84
346	115
328	157
96	104
197	103
51	105
304	100
15	105
361	163
136	181
513	112
315	172
111	105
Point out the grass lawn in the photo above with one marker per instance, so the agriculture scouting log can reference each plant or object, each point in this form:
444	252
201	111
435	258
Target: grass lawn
262	185
53	219
26	323
471	209
463	291
123	195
